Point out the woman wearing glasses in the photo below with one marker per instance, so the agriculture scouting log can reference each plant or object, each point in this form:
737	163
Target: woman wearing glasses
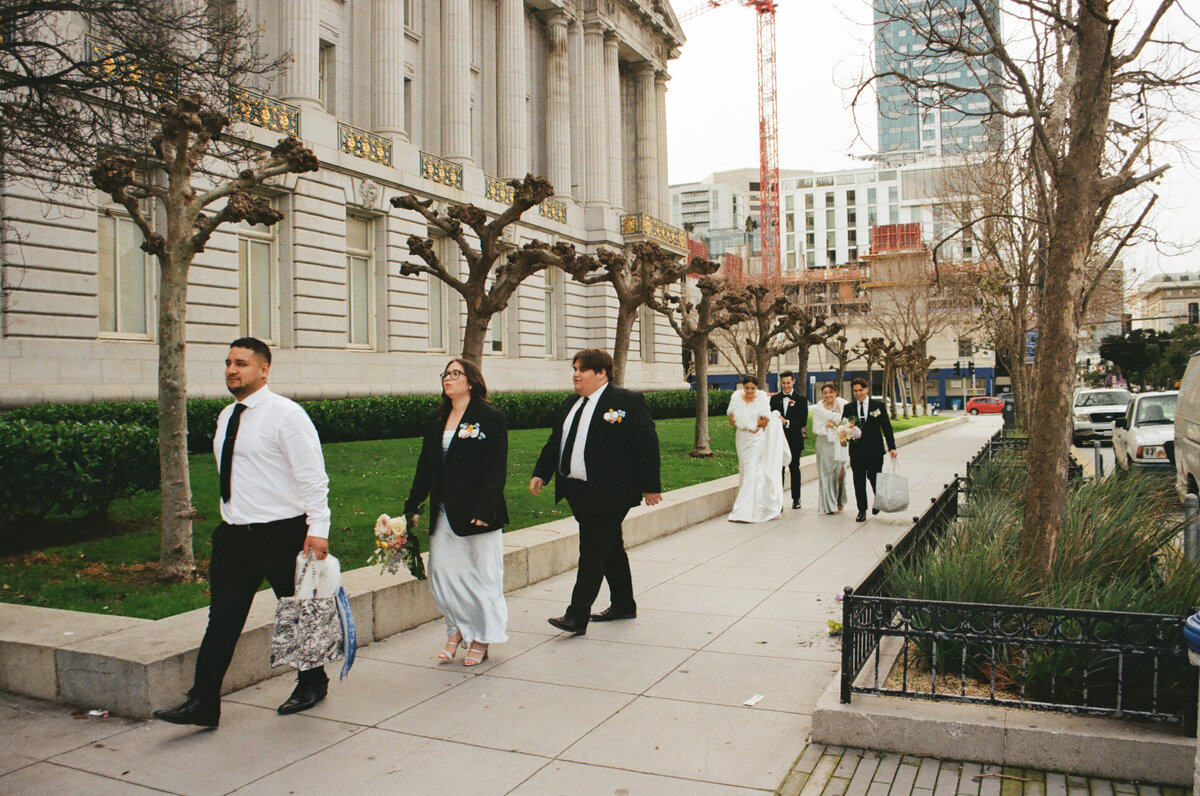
464	458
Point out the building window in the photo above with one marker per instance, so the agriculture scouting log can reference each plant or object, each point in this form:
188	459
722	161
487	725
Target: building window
810	240
360	267
789	202
551	305
258	281
408	107
851	216
808	201
850	200
714	356
791	261
124	276
966	348
829	199
497	333
790	221
830	221
326	75
437	313
810	258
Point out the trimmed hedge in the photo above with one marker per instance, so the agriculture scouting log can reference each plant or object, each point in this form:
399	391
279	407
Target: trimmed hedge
352	419
71	466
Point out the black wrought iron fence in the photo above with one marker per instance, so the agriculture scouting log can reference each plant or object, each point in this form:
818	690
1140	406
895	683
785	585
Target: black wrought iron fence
1065	660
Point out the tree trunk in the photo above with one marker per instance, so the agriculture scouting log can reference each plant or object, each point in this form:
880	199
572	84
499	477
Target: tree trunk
176	561
762	366
474	336
1076	203
626	315
802	369
700	446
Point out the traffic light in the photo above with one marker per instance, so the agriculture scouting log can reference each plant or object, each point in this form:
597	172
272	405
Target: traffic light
971	369
957	370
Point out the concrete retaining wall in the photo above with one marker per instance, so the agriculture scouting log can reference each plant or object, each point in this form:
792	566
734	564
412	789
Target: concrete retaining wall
132	667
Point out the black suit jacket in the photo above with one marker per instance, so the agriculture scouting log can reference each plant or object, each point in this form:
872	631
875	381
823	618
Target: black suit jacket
796	415
867	451
621	458
470	481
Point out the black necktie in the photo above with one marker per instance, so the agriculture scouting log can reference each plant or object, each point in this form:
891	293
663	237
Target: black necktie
231	431
564	461
862	411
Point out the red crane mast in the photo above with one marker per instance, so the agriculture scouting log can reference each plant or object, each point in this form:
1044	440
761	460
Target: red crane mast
768	132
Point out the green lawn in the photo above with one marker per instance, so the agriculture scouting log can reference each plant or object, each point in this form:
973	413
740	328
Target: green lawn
107	565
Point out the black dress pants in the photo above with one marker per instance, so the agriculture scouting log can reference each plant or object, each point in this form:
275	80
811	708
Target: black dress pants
862	474
601	552
242	556
797	447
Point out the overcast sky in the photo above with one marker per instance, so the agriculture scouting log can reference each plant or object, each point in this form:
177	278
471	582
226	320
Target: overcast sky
712	105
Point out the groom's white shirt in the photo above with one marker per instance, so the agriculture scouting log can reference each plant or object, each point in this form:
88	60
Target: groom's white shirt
577	467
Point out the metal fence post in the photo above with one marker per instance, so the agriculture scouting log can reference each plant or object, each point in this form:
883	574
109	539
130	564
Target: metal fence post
1099	465
1191	527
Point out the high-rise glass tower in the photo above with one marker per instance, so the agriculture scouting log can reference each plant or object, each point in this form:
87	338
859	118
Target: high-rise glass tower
928	100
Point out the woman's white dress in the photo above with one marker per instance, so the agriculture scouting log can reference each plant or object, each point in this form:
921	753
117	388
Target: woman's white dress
761	455
832	457
466	577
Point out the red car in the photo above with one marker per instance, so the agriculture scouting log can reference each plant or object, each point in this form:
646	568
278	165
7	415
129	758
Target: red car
985	404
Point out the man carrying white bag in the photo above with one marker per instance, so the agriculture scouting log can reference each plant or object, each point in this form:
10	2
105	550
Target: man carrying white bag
314	626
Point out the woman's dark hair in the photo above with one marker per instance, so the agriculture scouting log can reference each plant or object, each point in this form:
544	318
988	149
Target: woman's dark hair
751	380
474	377
830	385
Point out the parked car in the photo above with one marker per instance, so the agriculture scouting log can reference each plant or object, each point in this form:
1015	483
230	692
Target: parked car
1095	411
985	404
1145	436
1187	430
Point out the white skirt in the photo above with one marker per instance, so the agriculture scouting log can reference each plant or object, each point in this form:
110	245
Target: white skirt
466	577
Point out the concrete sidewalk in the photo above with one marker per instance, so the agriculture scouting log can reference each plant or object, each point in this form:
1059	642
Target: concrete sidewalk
728	614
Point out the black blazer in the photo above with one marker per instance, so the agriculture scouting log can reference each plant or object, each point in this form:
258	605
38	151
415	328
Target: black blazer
868	449
622	458
796	415
470	481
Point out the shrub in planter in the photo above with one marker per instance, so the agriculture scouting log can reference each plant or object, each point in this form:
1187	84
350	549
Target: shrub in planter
70	466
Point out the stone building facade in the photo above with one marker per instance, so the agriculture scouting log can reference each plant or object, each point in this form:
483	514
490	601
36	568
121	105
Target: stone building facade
441	98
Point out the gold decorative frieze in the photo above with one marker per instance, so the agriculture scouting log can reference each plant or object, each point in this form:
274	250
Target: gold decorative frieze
498	190
650	227
362	144
110	62
441	171
266	112
553	210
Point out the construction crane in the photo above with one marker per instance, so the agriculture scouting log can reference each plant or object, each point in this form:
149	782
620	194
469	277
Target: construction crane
768	131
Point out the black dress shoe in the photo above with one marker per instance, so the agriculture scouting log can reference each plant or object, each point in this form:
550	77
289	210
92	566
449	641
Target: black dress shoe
795	504
303	697
611	612
874	511
568	624
862	517
194	711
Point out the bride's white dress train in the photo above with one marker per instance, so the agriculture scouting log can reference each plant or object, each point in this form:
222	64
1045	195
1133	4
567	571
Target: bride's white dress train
761	456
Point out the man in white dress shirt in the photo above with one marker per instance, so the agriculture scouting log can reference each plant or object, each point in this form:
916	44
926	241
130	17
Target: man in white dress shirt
274	504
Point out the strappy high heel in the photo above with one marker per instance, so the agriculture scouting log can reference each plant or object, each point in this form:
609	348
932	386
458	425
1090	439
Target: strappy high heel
474	654
451	649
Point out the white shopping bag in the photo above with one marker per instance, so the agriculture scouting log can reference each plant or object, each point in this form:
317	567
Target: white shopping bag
891	489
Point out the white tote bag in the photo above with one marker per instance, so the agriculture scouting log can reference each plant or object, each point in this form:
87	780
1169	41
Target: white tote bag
891	489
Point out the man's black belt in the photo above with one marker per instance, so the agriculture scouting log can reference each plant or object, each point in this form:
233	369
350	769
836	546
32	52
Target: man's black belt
266	526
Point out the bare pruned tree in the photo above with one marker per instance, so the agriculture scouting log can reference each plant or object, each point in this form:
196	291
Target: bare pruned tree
843	354
488	283
1093	85
698	310
811	327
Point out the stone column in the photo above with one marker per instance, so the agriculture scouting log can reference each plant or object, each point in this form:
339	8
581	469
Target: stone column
612	92
300	82
595	130
388	91
558	105
456	80
647	139
512	133
664	194
578	187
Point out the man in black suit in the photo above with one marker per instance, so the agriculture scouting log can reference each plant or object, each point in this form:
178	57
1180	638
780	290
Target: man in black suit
793	408
866	452
605	450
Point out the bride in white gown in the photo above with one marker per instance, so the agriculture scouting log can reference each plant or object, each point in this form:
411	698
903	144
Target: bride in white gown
762	450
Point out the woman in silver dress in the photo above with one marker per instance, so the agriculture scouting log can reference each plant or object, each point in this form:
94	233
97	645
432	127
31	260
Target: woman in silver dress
832	456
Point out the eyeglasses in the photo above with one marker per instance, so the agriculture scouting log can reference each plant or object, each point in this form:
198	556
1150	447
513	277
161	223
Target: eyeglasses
451	375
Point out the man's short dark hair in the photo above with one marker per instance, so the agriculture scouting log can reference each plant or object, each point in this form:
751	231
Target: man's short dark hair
787	374
595	360
860	381
255	345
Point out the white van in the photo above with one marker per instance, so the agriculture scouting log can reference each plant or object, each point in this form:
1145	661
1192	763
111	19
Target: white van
1187	430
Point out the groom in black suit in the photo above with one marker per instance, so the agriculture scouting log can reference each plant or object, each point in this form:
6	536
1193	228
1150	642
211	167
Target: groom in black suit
604	448
793	408
866	452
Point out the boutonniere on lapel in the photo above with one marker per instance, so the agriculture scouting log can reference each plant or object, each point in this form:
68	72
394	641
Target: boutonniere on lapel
875	413
614	415
470	431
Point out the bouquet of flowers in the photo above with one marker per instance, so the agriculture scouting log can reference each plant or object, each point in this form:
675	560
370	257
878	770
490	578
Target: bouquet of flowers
848	430
395	546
